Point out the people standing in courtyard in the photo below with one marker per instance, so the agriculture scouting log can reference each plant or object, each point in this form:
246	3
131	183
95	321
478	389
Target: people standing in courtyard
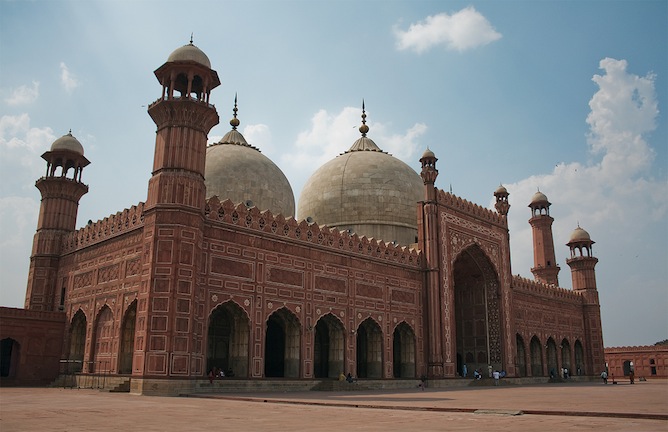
496	376
631	377
604	377
465	371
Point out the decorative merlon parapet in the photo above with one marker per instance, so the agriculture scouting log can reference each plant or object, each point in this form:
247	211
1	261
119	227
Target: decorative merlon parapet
450	200
264	221
520	283
646	348
17	313
109	227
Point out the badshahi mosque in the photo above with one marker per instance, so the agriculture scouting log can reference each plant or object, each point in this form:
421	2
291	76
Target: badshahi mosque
376	272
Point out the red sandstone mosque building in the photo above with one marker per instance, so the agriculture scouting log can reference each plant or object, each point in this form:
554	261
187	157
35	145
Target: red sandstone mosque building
378	273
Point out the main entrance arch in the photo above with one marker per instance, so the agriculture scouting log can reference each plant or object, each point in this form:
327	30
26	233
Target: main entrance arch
476	286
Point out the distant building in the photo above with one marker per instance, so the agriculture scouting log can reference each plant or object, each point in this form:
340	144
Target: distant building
645	361
383	275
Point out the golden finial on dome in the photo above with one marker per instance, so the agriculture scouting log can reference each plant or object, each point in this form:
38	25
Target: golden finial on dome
364	128
235	121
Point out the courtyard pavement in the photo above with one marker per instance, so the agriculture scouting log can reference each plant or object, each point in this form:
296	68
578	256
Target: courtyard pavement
566	406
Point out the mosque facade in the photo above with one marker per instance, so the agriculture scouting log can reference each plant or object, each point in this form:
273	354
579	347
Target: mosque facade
381	274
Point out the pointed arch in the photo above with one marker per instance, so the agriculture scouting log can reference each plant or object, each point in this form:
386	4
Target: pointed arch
127	345
579	358
551	357
536	357
369	349
566	356
103	338
77	341
477	310
228	336
10	350
282	345
403	351
521	360
328	347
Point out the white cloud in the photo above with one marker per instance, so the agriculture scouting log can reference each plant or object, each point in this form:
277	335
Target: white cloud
67	79
461	31
23	95
614	198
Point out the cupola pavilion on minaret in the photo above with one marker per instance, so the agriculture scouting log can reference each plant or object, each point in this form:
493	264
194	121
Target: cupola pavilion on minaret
545	267
61	189
502	205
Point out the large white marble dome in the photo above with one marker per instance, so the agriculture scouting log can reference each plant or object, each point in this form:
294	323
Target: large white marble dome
367	191
237	171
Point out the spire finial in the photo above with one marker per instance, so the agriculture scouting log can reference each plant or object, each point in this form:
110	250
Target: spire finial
235	121
364	128
191	38
70	132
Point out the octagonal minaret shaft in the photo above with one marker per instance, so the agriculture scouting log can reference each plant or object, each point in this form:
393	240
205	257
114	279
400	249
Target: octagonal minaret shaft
545	267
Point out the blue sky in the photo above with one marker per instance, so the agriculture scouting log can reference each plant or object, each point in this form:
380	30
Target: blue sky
569	97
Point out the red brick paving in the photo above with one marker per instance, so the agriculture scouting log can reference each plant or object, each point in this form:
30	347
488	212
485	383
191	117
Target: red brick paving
582	406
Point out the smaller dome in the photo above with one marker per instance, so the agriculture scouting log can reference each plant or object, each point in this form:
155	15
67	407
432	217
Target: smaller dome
501	190
579	235
69	143
539	198
189	53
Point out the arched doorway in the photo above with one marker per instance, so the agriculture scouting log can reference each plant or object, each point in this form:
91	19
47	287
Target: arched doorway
128	339
77	341
536	357
477	310
328	351
579	358
403	351
103	341
369	350
281	345
521	360
227	340
9	357
551	352
566	356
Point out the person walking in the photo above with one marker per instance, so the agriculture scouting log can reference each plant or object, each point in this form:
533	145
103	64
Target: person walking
604	377
496	376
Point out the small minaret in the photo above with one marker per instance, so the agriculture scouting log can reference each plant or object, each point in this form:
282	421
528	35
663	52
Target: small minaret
61	190
545	267
429	173
582	263
502	205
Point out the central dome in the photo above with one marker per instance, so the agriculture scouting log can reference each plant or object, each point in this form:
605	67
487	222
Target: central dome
237	171
367	191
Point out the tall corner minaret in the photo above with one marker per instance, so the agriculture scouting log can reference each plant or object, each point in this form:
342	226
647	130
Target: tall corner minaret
582	263
61	189
174	218
545	267
428	242
502	205
184	117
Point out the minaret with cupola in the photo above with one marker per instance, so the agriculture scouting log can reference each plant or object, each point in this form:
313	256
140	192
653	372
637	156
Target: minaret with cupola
61	189
545	267
428	241
582	263
169	333
502	205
